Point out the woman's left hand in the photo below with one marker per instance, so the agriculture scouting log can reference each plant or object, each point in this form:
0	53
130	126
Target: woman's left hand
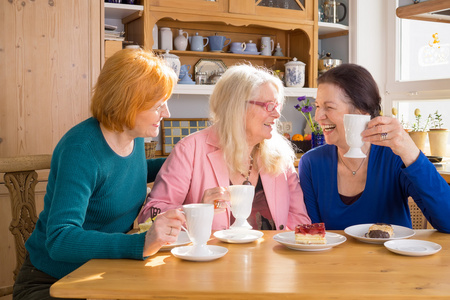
164	230
388	132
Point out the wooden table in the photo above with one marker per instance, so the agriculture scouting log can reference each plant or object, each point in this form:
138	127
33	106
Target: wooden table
267	270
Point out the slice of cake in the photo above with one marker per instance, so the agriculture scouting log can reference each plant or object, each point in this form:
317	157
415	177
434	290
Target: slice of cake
310	234
380	231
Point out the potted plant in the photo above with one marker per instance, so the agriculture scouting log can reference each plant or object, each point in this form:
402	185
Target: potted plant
317	137
438	136
419	131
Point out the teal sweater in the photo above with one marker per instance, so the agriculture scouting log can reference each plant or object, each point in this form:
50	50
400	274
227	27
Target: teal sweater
93	196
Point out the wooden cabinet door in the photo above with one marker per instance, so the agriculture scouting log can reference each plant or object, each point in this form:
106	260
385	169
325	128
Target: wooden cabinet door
277	10
199	5
49	60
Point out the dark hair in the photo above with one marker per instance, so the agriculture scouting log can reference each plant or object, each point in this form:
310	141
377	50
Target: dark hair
358	85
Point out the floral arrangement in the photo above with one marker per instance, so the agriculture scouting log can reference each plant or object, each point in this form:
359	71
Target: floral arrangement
305	108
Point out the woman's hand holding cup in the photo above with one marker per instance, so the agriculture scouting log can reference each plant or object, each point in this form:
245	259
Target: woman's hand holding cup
164	230
219	196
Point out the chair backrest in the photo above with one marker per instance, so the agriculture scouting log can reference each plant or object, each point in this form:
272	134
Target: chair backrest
418	219
21	179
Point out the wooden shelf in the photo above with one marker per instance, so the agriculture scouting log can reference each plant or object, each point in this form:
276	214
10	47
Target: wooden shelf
328	30
192	89
209	54
431	10
120	11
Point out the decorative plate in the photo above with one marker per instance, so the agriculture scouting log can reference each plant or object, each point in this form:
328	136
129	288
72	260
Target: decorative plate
210	67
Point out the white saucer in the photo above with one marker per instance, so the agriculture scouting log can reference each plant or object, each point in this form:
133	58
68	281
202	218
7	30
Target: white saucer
238	236
182	252
182	239
413	247
288	239
359	232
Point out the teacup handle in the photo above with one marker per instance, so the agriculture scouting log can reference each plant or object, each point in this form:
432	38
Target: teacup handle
207	41
273	44
185	229
188	67
226	44
243	46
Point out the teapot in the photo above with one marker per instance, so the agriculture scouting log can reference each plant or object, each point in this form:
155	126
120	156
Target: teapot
330	11
197	43
181	41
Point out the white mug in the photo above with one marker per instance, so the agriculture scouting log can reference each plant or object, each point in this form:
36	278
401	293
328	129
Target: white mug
199	219
241	200
354	124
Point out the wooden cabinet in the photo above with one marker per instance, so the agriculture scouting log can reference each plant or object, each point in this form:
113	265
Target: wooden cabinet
50	59
241	21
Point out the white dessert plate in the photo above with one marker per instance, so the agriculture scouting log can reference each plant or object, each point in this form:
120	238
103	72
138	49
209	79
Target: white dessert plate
183	239
413	247
288	239
182	252
238	236
359	232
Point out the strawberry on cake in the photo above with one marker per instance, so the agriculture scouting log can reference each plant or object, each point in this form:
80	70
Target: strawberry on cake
310	234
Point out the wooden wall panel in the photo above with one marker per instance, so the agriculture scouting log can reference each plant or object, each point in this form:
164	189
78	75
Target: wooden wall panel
49	60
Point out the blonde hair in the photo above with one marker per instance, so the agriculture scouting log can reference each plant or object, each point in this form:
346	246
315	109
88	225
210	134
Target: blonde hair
228	106
131	81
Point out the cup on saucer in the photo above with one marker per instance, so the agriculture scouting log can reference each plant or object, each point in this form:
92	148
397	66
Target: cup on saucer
241	200
199	219
354	125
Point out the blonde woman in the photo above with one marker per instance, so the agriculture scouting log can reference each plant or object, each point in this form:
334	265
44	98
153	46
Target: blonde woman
98	176
241	147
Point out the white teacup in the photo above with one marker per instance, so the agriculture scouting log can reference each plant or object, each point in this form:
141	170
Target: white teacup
241	200
199	219
354	125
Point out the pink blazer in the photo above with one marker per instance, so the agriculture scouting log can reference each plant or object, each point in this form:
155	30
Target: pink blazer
196	163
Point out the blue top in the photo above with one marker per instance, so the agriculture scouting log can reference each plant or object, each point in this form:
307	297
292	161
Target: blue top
385	196
93	197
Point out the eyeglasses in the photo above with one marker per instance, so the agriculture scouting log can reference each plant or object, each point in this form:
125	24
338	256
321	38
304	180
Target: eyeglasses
268	106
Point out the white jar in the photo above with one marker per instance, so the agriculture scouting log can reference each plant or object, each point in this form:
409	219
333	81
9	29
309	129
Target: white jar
155	37
172	61
166	38
294	74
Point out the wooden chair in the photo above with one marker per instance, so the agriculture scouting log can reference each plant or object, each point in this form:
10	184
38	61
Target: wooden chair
21	179
418	219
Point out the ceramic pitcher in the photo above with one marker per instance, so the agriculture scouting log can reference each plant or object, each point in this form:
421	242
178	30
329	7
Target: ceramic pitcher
267	46
181	41
197	42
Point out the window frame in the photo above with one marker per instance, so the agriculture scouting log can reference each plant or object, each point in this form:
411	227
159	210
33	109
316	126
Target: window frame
436	89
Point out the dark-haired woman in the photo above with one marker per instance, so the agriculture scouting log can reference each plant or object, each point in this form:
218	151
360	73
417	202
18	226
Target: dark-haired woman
343	191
